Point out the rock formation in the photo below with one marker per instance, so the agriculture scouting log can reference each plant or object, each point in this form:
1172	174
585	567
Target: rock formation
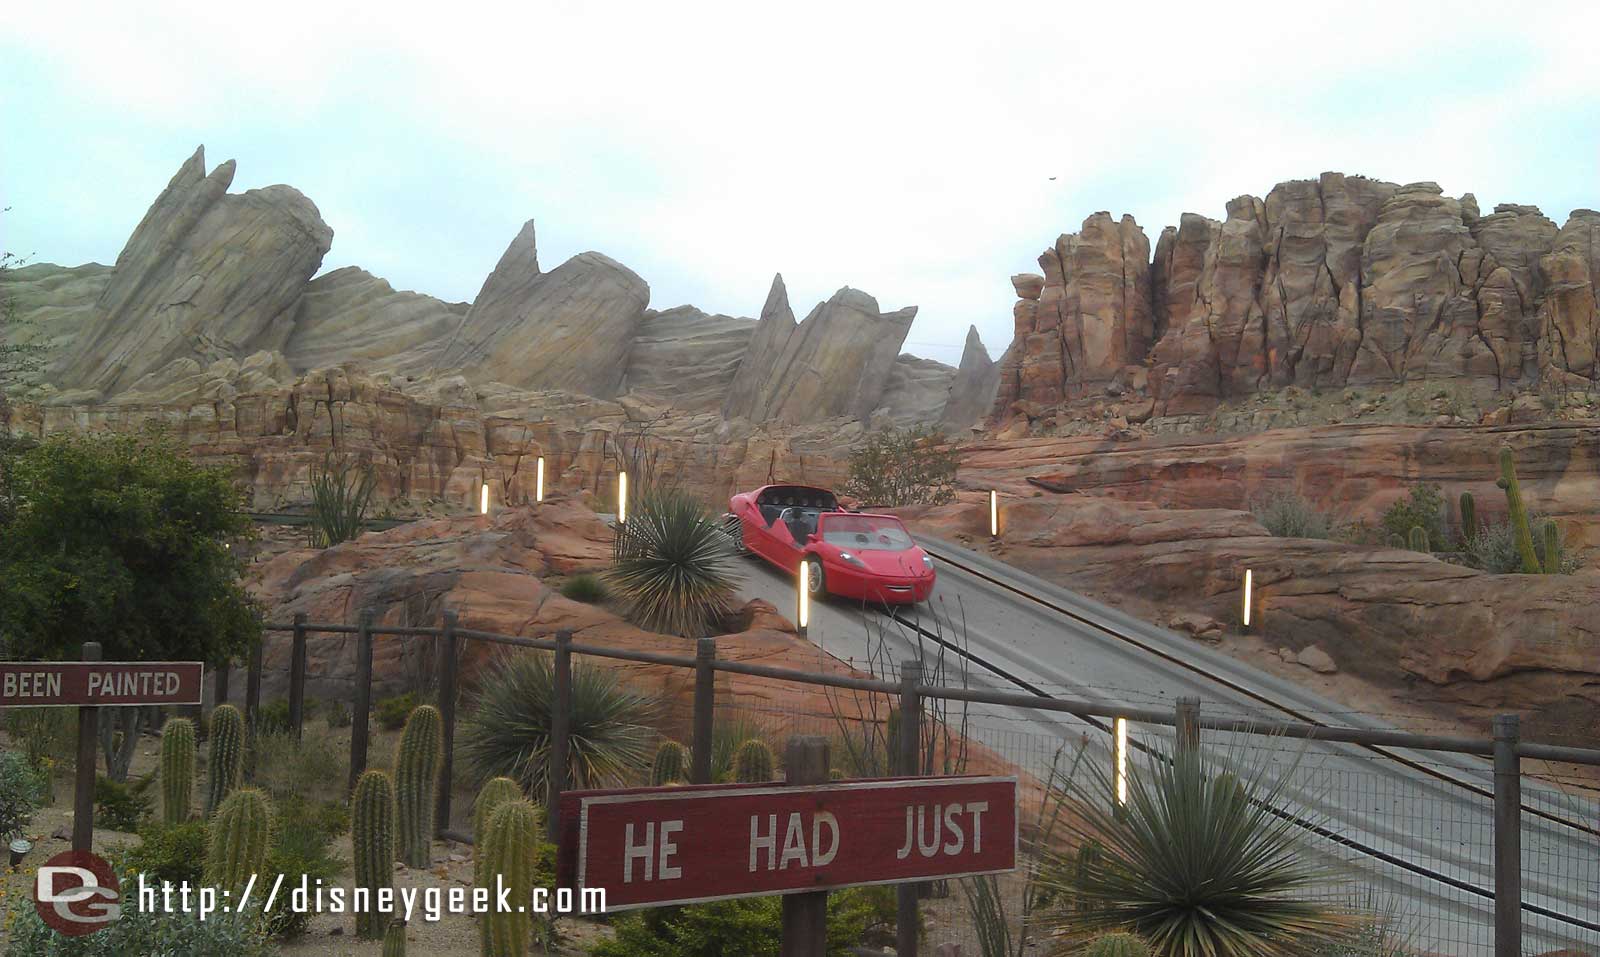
1326	283
686	359
351	315
973	388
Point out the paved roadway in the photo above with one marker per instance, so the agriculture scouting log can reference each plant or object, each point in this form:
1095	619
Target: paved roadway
1383	806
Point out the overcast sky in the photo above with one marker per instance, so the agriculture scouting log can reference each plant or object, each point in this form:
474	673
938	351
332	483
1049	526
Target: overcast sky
907	150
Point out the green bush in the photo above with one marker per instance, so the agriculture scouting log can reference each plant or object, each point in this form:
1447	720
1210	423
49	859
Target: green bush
338	715
1494	549
170	852
586	588
673	568
340	496
1423	507
273	717
301	847
915	466
1288	515
23	789
120	805
330	817
750	927
312	767
392	712
155	932
507	731
45	734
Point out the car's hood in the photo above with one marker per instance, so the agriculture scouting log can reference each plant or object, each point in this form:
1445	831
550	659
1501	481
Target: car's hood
903	564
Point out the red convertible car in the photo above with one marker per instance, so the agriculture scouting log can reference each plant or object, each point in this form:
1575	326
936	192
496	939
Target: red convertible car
854	555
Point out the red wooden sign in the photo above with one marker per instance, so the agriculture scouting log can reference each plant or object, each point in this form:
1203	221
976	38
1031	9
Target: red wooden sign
36	684
678	845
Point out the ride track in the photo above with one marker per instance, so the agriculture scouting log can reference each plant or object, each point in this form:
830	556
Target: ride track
1560	909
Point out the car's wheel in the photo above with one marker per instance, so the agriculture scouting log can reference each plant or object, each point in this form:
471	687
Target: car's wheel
734	527
816	580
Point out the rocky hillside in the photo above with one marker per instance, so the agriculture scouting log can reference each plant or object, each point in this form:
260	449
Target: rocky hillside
1324	284
214	296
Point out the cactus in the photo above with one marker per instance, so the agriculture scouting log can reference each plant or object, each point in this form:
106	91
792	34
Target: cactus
1517	513
1419	539
1552	548
834	774
753	762
226	762
416	783
671	764
1117	945
394	940
372	814
237	849
1469	517
177	769
495	793
510	853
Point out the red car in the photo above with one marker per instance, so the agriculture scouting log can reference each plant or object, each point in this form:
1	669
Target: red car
854	555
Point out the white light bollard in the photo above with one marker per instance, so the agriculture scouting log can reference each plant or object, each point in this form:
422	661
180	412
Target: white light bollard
1122	760
483	499
538	480
803	599
1247	590
994	513
622	498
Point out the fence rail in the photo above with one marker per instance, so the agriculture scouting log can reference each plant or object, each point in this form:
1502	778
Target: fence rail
1505	747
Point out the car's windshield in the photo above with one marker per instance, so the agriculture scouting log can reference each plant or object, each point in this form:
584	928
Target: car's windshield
863	533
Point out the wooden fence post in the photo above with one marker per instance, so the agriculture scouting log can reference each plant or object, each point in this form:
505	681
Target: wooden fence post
1188	724
1507	837
805	916
359	711
705	703
252	704
560	722
447	714
908	920
297	676
88	754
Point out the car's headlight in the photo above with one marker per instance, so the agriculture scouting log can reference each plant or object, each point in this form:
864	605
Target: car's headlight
927	562
846	556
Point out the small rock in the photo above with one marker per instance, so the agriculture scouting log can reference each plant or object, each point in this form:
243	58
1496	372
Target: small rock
1317	660
336	932
62	833
457	858
1287	654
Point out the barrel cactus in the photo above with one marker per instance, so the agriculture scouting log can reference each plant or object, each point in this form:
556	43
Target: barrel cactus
372	822
416	782
394	940
1419	539
239	835
671	764
510	853
1469	517
493	794
177	769
752	763
226	762
1517	512
1117	945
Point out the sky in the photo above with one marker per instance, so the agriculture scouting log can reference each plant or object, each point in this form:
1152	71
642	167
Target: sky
920	152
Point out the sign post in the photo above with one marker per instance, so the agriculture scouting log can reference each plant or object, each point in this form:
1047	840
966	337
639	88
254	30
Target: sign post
89	685
805	916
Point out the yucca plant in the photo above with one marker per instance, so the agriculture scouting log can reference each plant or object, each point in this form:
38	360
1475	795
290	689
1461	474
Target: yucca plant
1196	863
507	732
339	500
674	566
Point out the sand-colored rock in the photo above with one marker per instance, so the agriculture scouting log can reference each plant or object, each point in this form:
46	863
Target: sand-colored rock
973	389
1570	312
686	359
351	315
917	392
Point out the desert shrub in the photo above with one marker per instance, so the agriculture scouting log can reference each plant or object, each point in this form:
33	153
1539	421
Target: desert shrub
915	466
392	712
726	736
332	817
338	715
1494	548
1196	862
48	736
750	926
674	565
300	849
1423	507
586	588
310	768
141	932
169	852
1289	515
507	732
273	717
23	789
121	805
340	496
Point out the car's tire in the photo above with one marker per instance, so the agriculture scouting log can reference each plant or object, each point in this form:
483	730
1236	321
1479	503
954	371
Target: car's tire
733	525
817	580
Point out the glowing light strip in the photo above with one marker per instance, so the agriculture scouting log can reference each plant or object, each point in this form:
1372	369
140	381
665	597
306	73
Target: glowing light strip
622	498
1247	598
1122	760
805	595
484	499
538	480
994	513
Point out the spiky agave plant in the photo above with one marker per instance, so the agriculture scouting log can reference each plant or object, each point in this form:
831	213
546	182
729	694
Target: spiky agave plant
674	565
339	500
507	732
1196	863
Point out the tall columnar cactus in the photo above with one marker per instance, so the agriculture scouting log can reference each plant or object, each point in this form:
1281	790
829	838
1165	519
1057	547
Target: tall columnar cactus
493	794
1552	548
394	940
226	762
416	782
177	769
671	764
372	814
1469	517
1419	539
1517	513
510	854
1117	945
239	834
753	762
